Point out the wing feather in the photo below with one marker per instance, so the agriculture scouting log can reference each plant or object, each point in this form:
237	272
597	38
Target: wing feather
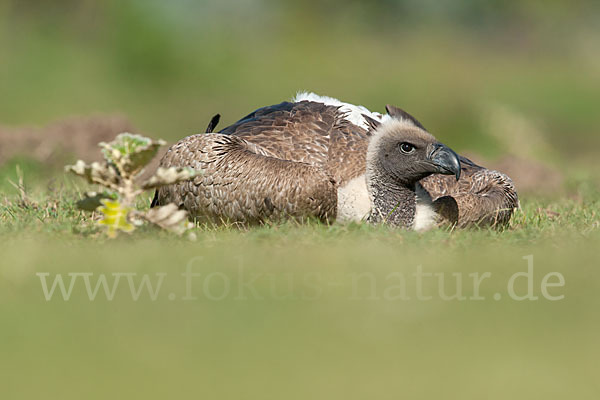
484	197
241	182
309	132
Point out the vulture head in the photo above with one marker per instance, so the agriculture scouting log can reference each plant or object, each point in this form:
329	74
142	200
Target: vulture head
401	153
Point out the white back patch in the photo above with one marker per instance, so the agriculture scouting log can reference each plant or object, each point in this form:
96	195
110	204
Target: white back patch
354	113
425	215
354	203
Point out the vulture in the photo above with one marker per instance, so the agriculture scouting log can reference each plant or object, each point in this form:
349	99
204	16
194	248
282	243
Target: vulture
317	157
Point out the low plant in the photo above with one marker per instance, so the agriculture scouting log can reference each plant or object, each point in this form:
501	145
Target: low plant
119	177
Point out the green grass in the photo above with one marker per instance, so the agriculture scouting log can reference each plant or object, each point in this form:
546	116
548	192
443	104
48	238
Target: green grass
296	311
326	314
322	318
52	210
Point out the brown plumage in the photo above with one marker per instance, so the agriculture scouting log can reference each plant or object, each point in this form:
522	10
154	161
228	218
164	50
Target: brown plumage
240	182
308	132
482	197
290	160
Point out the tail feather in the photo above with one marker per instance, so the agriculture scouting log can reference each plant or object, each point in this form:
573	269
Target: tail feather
213	123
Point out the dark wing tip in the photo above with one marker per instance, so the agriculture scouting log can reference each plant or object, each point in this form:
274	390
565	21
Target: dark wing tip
214	121
373	124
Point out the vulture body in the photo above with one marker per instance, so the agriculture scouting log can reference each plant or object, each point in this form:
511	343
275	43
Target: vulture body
316	157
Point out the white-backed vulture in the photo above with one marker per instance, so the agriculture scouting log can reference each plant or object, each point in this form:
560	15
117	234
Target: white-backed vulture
318	157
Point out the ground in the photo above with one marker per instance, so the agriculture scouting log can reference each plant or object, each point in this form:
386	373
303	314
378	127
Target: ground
311	311
342	304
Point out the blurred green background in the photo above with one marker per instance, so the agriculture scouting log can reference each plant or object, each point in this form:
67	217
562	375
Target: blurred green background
513	83
169	66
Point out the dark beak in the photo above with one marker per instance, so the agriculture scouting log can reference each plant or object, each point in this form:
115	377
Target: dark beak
445	160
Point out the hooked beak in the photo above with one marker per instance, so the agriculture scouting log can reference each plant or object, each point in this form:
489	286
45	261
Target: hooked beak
445	160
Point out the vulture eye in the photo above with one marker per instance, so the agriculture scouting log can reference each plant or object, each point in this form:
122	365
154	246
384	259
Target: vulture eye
407	148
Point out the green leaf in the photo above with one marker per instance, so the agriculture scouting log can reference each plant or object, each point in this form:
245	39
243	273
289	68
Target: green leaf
130	153
169	176
100	173
115	217
92	200
169	217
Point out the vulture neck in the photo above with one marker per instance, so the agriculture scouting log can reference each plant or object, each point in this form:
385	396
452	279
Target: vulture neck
392	203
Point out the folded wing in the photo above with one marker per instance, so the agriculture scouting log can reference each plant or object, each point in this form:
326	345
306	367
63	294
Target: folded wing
241	182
